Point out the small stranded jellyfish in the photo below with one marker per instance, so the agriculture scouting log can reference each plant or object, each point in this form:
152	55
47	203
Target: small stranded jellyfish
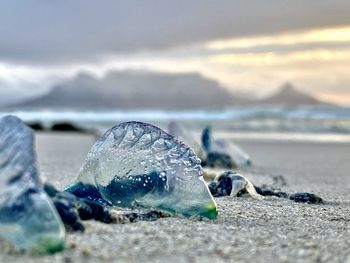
175	184
28	219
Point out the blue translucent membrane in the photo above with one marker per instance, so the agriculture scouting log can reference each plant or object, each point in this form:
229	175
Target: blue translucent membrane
138	165
225	147
28	219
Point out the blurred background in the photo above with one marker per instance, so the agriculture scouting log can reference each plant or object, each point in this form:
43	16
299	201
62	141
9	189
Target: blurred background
263	69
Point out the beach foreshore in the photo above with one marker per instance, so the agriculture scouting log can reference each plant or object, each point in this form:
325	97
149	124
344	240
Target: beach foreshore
247	230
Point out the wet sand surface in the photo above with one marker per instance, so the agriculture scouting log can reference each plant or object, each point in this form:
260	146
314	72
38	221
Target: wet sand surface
247	230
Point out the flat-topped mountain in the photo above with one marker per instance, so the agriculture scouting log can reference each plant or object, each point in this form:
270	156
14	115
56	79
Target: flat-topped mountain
152	90
135	90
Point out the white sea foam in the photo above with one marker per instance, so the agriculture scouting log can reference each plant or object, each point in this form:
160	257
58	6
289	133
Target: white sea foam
321	123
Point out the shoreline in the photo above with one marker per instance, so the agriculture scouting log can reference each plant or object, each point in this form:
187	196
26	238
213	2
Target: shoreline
247	230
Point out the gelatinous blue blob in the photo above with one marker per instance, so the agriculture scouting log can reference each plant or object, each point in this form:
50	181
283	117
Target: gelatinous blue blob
206	139
138	165
181	133
28	219
224	154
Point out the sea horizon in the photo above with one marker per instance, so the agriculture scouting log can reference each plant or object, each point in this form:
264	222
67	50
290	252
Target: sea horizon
310	123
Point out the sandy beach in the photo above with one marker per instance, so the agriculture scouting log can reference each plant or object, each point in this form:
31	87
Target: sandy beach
247	230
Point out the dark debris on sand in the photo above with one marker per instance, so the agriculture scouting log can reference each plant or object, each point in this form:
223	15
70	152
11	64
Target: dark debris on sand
73	210
307	198
219	160
66	127
223	187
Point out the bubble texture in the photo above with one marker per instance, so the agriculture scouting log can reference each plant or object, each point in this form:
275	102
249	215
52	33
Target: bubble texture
138	165
28	219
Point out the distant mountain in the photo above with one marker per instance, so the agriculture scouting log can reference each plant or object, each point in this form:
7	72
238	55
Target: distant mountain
153	90
135	90
288	95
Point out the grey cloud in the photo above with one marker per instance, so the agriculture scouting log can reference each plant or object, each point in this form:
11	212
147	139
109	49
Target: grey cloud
48	31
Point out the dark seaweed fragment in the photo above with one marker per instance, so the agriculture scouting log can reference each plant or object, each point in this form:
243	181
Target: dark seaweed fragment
306	198
219	160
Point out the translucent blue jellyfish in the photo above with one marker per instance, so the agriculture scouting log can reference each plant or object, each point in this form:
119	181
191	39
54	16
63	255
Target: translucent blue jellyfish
137	165
181	133
28	219
223	154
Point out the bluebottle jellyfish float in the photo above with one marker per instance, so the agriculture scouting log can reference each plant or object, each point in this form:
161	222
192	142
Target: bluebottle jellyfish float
137	165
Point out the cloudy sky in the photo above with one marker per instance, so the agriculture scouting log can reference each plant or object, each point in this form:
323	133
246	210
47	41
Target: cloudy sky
249	47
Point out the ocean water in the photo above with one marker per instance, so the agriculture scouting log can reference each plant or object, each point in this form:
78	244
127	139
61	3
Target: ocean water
319	123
